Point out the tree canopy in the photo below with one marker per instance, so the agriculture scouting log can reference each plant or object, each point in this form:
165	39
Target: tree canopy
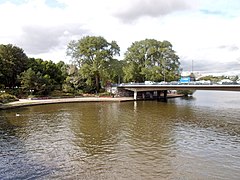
152	60
93	55
13	61
94	65
43	76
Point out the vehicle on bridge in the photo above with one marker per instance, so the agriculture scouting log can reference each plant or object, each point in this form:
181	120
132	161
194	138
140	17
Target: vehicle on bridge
149	82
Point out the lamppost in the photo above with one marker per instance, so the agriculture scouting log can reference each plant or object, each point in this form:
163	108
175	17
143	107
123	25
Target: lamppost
31	91
164	72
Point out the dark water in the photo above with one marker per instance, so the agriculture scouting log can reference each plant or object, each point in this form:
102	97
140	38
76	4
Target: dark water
194	138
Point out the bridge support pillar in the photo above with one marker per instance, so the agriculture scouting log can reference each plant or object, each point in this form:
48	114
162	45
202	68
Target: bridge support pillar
165	96
158	95
135	95
151	95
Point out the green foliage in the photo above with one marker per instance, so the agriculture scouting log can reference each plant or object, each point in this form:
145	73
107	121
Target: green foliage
152	60
13	61
56	72
212	78
28	79
75	82
94	66
43	76
215	79
36	75
58	93
105	94
93	55
68	88
186	92
36	83
6	98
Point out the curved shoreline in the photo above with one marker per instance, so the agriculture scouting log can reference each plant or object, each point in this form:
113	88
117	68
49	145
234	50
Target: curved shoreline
34	102
29	102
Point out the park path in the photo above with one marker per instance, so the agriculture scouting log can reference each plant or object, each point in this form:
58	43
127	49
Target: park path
30	102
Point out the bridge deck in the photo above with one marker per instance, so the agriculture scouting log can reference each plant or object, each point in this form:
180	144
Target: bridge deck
154	87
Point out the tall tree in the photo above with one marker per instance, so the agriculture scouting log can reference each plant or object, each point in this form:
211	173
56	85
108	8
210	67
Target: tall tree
150	59
36	82
116	71
73	83
56	72
93	54
13	61
28	80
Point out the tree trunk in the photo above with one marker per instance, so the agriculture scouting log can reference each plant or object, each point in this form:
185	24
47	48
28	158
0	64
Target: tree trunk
97	83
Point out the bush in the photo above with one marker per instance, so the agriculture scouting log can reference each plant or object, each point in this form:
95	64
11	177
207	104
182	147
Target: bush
186	92
58	93
6	98
105	94
67	88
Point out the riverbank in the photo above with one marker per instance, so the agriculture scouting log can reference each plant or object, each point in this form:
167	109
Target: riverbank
29	102
32	102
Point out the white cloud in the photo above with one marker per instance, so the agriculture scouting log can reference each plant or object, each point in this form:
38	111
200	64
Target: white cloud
153	8
205	31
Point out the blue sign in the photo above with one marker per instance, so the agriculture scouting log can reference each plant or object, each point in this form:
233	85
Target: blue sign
185	80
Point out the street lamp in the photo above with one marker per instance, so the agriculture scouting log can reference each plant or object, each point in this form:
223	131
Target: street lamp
31	91
164	73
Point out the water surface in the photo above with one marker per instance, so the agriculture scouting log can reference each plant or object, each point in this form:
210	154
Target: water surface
186	138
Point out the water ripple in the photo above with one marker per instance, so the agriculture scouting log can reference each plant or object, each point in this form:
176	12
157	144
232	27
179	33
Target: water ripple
183	139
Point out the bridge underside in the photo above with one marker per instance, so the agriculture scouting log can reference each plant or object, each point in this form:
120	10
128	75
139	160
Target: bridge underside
158	89
158	95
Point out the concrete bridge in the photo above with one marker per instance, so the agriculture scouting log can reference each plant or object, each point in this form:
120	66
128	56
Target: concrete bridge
158	89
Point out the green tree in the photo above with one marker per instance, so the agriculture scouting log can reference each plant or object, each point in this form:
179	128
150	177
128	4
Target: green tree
152	60
62	70
72	82
28	80
43	76
36	82
116	73
57	72
211	78
92	54
13	61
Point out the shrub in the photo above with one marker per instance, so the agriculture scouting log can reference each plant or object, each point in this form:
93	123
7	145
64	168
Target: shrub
186	92
105	94
5	98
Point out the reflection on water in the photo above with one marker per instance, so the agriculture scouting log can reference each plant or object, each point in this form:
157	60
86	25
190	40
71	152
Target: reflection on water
193	138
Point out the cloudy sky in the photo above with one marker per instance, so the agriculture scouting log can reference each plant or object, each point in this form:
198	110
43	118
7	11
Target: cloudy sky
205	33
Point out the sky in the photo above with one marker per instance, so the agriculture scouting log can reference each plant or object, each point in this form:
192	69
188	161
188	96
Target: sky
204	33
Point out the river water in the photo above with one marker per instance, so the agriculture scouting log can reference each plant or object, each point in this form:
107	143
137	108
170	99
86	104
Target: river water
187	138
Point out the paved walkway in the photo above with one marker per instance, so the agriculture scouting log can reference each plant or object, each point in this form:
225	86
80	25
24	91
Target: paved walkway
29	102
